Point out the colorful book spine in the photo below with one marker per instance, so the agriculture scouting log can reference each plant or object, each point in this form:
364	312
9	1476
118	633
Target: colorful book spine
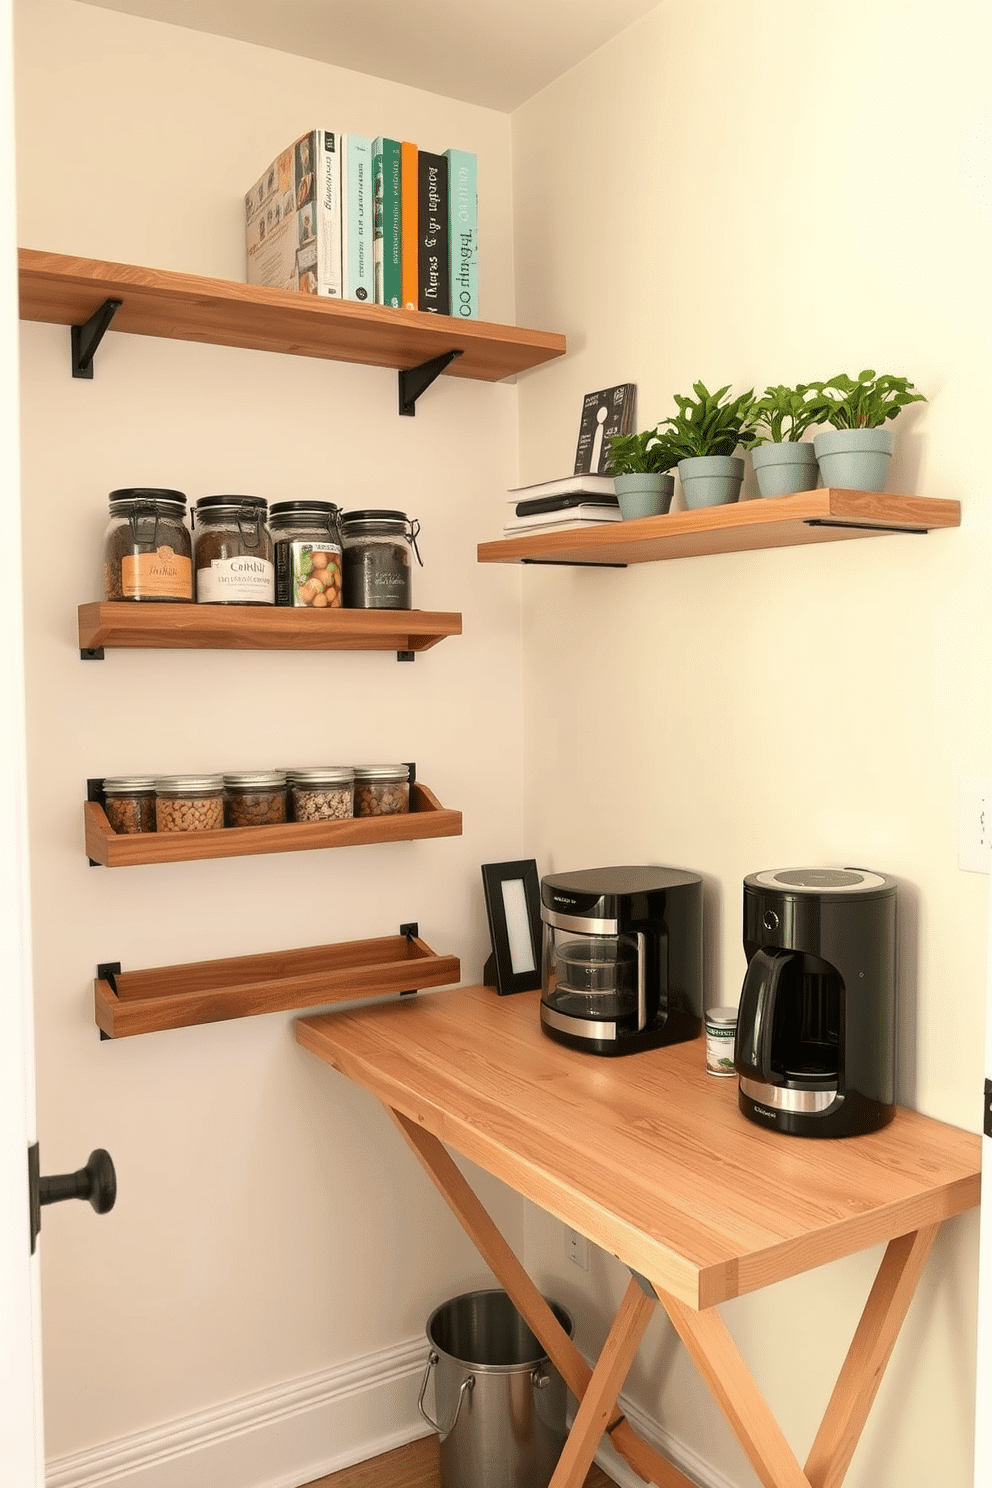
328	190
387	239
357	276
463	248
432	206
410	234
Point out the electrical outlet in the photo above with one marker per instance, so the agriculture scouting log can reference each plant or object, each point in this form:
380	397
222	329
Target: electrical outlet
975	826
577	1248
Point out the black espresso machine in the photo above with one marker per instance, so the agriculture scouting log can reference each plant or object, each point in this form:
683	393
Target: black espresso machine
816	1025
622	958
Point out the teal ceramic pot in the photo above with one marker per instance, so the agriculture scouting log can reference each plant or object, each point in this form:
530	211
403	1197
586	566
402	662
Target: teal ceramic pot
644	494
856	459
783	468
711	480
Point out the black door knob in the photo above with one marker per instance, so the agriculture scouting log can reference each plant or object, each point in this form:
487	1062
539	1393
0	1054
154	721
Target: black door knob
96	1182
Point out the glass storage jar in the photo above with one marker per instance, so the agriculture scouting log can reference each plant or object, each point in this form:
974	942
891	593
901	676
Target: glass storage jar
129	803
381	790
232	551
147	547
189	803
307	547
254	798
322	793
376	554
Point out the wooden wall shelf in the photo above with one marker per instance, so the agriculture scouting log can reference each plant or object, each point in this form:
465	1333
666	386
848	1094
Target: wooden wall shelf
128	1003
828	515
63	290
426	818
259	628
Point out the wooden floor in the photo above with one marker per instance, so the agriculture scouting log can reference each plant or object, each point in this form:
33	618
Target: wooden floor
413	1466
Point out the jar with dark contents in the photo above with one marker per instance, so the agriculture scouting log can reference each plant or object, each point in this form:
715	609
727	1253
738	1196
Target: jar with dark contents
322	793
376	554
382	790
254	798
232	551
307	547
129	803
147	547
189	803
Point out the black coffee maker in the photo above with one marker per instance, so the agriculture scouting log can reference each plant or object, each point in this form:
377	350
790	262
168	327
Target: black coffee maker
816	1025
622	958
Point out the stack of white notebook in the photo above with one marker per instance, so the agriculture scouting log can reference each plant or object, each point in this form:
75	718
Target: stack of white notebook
562	505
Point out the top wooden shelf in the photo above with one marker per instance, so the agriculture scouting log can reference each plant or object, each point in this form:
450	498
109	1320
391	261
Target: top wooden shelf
828	515
62	290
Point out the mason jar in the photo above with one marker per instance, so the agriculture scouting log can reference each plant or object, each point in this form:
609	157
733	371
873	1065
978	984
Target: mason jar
147	547
232	551
189	803
382	790
322	793
129	803
307	548
254	798
376	554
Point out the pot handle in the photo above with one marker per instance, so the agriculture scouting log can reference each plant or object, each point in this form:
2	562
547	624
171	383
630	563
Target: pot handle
466	1384
756	1015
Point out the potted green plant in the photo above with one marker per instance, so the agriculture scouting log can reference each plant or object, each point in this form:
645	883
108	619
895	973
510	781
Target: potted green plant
703	436
640	465
783	460
855	451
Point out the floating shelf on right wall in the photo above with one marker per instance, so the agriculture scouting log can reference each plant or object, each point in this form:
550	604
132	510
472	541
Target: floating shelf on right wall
827	515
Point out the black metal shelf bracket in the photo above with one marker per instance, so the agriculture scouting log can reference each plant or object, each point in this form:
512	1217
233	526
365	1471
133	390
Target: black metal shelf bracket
406	656
91	653
87	337
416	380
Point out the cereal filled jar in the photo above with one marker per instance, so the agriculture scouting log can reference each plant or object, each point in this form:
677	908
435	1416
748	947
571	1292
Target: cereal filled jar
232	551
376	553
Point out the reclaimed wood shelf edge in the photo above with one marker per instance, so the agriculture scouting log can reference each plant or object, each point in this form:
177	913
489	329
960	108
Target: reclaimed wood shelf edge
164	626
63	290
129	1003
426	818
831	514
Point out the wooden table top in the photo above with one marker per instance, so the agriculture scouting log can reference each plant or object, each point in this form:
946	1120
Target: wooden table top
646	1154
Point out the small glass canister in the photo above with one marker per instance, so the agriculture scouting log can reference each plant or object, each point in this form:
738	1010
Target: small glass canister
322	793
307	546
189	803
721	1033
254	798
232	551
382	790
147	547
129	802
376	553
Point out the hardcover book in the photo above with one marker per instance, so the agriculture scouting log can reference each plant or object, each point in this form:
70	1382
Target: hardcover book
600	486
357	275
432	206
387	241
592	514
409	227
293	218
608	412
463	248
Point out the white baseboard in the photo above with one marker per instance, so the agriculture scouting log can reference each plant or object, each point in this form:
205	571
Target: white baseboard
291	1434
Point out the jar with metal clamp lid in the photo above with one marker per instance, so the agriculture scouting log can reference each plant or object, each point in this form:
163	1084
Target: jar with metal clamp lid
147	547
232	551
376	554
307	546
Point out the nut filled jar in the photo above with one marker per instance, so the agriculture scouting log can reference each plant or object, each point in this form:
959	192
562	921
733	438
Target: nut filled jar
232	551
254	798
129	803
307	547
147	547
382	790
189	803
323	793
376	554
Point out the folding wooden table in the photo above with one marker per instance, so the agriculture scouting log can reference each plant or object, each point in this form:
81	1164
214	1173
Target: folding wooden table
648	1156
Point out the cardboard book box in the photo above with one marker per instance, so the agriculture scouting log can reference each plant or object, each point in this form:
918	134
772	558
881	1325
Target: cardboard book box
293	218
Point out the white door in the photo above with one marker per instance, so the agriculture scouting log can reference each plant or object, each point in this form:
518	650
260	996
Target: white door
21	1448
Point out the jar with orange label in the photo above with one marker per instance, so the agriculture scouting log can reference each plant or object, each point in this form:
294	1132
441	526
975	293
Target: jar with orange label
148	548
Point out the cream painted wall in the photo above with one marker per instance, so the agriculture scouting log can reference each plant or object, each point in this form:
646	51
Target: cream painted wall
270	1222
753	193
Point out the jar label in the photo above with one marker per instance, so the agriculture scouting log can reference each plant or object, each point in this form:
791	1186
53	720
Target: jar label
308	576
241	580
163	574
720	1041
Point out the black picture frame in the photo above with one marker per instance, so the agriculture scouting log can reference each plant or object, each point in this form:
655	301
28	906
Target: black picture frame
514	885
